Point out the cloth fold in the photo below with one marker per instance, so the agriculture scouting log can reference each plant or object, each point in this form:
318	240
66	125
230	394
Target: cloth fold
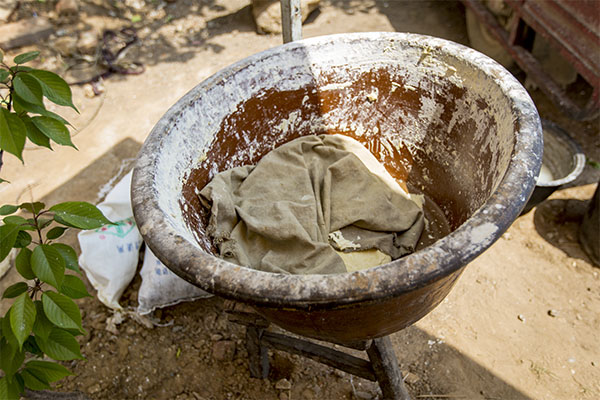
277	216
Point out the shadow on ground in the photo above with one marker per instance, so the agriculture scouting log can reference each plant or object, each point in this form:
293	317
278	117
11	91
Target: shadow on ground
558	222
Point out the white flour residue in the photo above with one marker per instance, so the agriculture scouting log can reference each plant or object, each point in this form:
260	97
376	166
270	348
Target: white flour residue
343	243
335	86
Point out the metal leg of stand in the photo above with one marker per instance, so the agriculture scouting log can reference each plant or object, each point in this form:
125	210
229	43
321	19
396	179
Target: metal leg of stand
382	366
385	365
258	355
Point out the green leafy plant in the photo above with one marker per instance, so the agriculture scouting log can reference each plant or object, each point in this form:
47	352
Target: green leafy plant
43	320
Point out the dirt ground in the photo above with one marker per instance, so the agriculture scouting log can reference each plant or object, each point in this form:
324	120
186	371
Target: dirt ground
521	323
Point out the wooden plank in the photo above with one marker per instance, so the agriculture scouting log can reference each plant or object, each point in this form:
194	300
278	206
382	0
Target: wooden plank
325	355
291	20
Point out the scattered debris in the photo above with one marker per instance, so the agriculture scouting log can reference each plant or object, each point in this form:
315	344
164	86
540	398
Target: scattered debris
372	97
7	8
410	378
24	32
521	317
65	45
88	42
113	321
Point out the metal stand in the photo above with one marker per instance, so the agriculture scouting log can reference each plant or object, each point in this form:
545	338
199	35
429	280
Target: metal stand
382	366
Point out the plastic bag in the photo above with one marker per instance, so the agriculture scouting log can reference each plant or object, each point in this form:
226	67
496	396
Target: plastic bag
109	255
161	287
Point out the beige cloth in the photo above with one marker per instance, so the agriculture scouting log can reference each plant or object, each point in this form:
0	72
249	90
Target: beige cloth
277	216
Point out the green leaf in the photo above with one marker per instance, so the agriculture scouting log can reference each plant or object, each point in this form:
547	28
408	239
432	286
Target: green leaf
9	390
19	221
23	240
8	209
60	345
33	208
19	68
31	345
79	214
54	88
26	57
42	325
3	75
44	222
61	311
74	287
22	317
14	290
55	130
53	371
14	219
8	237
48	265
68	254
23	263
12	133
10	358
34	134
8	333
28	88
21	107
34	379
55	232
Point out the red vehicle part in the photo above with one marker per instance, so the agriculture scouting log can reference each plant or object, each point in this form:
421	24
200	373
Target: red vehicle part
572	27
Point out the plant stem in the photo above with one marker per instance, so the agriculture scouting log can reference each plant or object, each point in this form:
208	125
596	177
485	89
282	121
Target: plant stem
37	227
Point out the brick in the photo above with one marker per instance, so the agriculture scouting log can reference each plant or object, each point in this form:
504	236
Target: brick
24	32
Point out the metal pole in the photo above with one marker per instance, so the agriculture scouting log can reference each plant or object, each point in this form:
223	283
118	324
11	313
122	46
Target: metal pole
291	20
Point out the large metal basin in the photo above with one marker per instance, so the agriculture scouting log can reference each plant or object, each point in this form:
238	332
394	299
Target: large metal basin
448	120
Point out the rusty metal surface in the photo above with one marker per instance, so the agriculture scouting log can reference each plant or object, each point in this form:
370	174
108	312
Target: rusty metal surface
572	27
473	144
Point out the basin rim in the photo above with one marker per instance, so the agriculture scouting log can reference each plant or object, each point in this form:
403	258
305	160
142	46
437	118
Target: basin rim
416	270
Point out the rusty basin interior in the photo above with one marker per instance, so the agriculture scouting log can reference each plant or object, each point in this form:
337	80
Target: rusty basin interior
447	120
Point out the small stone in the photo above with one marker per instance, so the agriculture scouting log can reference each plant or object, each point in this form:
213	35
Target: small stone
283	396
223	350
553	313
308	394
66	7
216	337
362	395
130	330
88	42
283	384
593	363
95	388
92	90
411	378
521	317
